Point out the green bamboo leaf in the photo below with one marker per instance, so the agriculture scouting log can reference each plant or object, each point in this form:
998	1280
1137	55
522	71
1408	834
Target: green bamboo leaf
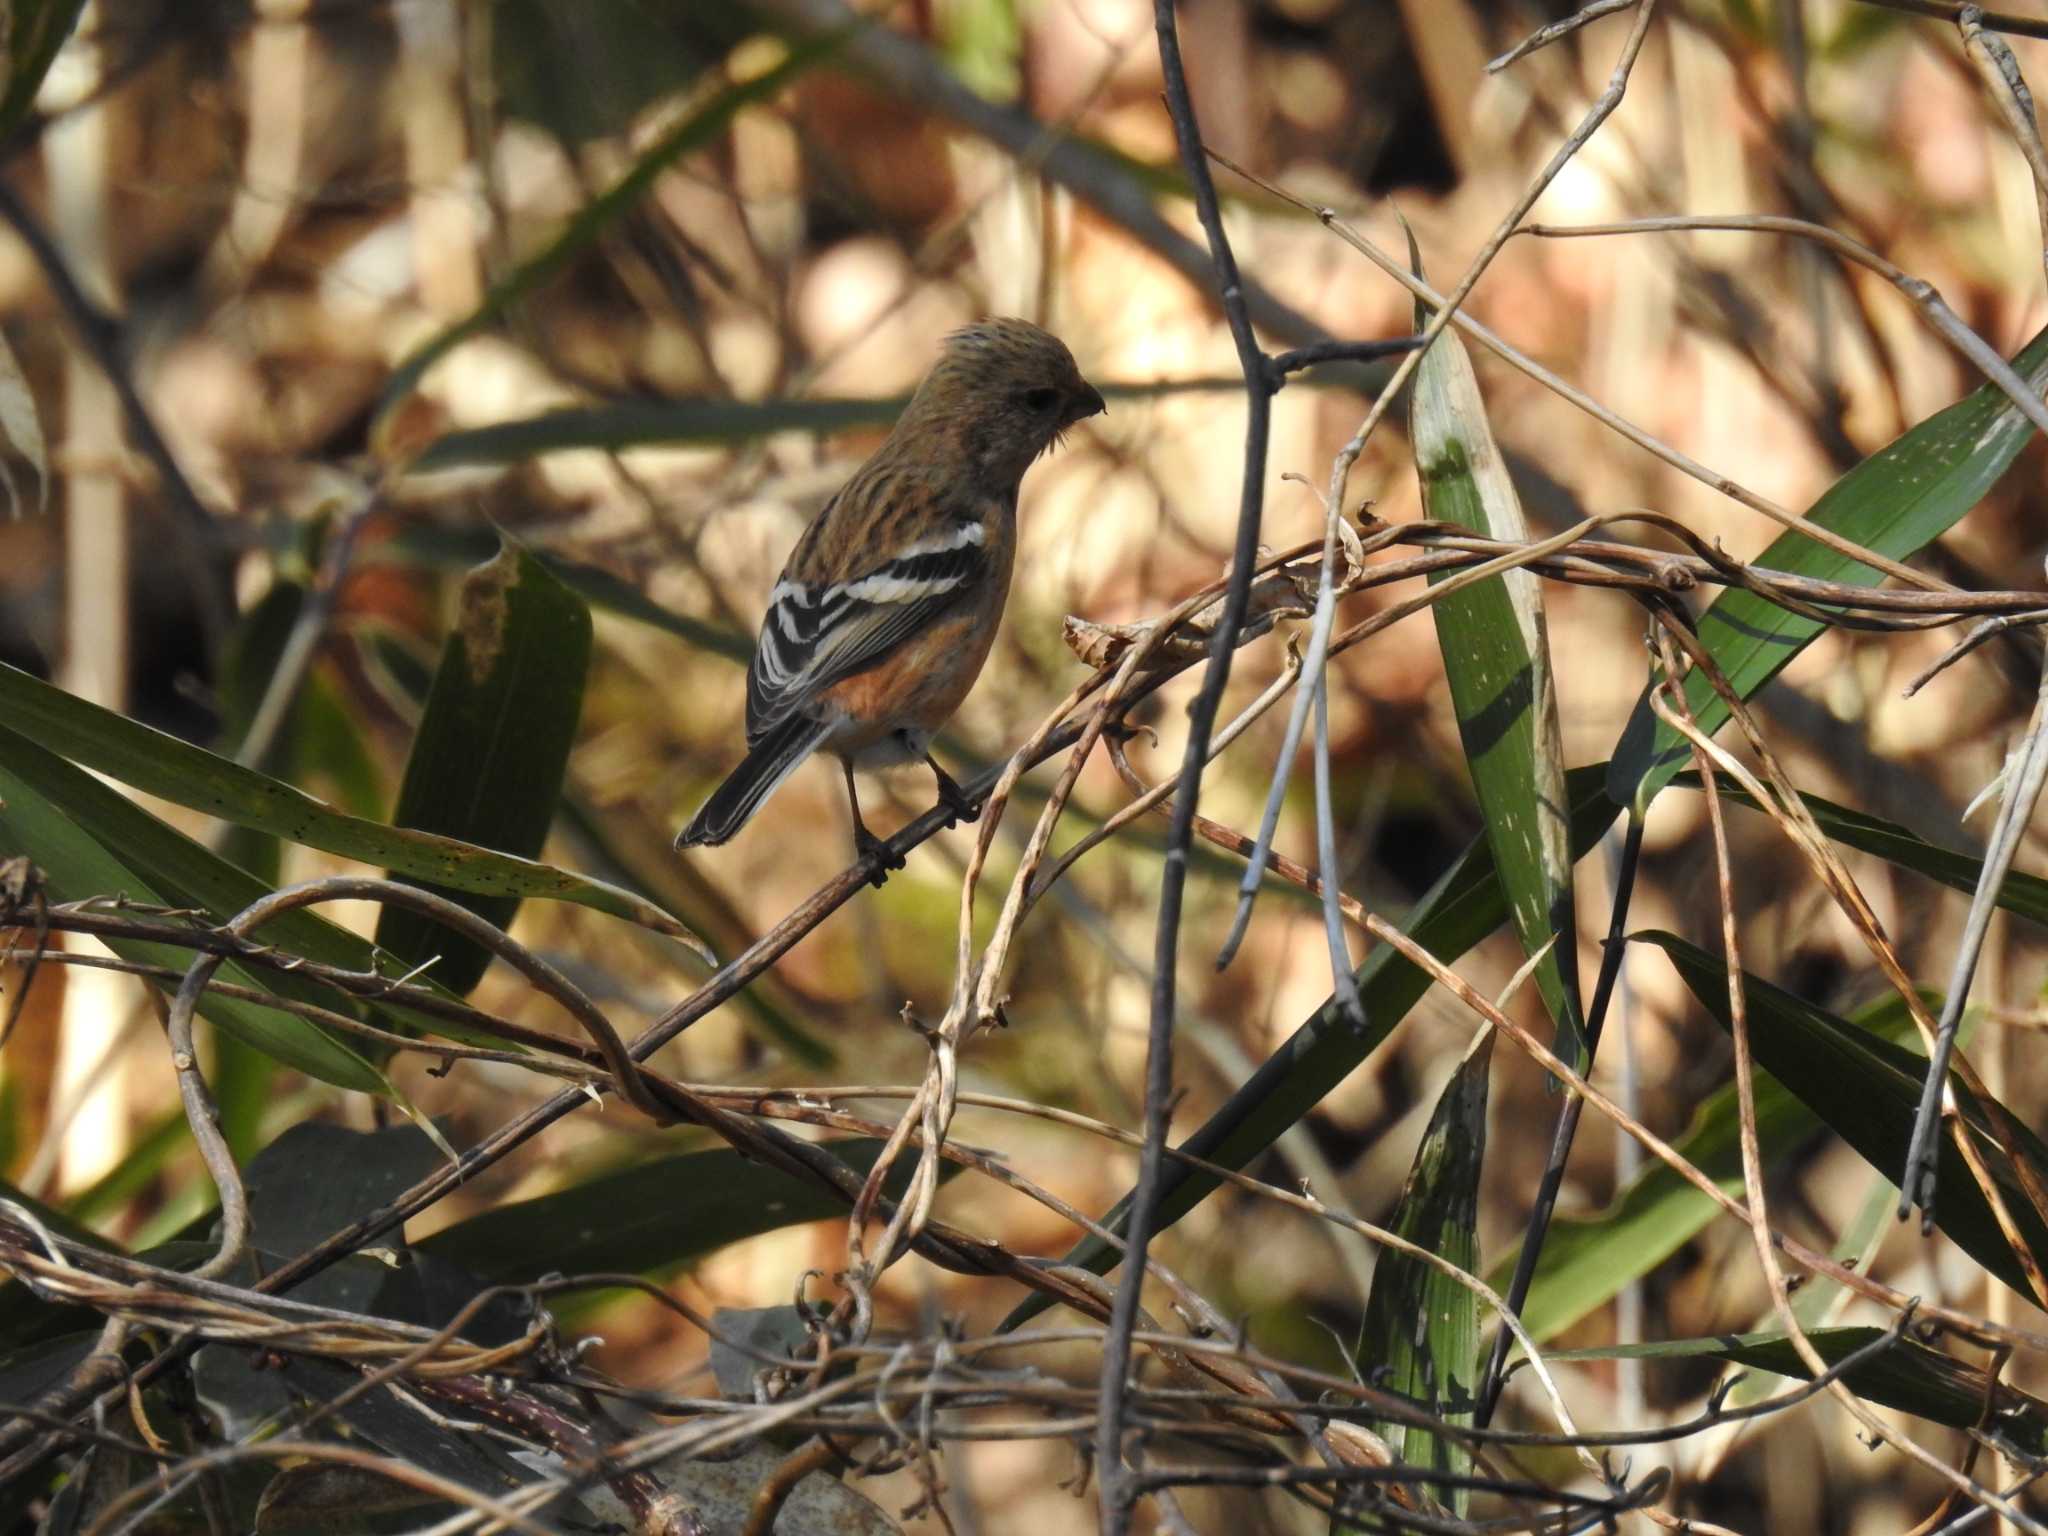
641	423
190	776
90	841
693	131
1496	654
1866	1090
493	744
1906	1375
2026	895
1421	1334
587	71
35	30
647	1218
1463	907
622	424
1895	502
1587	1260
439	546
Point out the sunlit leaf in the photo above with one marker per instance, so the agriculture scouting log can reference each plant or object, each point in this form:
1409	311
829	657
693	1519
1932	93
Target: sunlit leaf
1895	502
2024	894
1496	652
89	841
36	29
190	776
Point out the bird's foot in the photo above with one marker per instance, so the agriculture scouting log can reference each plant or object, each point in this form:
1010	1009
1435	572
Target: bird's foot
871	850
960	807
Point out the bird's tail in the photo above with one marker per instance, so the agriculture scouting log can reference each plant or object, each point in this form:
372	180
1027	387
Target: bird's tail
768	762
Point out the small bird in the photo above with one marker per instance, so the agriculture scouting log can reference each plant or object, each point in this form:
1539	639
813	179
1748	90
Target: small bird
886	610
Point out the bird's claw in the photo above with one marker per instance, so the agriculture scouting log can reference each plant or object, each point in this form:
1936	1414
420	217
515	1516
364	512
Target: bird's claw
960	808
870	849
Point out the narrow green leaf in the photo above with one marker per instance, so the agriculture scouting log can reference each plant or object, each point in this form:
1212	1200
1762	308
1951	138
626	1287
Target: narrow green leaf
693	131
1866	1091
587	71
1586	1260
2026	895
36	29
1906	1375
90	841
1496	654
1463	907
449	546
493	744
641	423
646	1218
621	424
1421	1334
1895	502
190	776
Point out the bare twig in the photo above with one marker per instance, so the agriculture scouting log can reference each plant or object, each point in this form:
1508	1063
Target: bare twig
2007	87
1578	397
1933	308
2025	777
1952	10
1544	36
1119	1495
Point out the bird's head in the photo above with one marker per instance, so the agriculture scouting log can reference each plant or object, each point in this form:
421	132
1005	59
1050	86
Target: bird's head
1004	390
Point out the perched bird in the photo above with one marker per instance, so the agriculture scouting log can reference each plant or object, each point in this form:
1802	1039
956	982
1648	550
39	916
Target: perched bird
890	601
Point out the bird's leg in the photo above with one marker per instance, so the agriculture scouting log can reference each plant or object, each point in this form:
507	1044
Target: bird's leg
866	846
955	799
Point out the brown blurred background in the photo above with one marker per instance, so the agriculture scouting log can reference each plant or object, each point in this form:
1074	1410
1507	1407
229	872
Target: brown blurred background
282	201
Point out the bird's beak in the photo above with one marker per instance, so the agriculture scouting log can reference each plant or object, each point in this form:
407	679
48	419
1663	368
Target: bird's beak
1090	403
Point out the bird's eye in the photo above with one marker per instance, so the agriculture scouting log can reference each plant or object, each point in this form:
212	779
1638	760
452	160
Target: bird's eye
1041	399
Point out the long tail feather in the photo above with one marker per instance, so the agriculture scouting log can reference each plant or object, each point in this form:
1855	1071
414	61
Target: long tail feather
767	763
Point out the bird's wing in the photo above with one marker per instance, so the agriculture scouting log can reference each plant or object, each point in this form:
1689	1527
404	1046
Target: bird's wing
818	633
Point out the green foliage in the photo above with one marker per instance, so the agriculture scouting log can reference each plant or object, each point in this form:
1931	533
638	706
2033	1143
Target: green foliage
36	29
1587	1260
488	759
1496	651
1896	502
1421	1335
1865	1089
186	775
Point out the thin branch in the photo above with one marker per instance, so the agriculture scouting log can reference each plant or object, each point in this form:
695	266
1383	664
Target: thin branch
2007	87
2023	790
1543	37
1118	1494
1944	321
1578	397
1952	10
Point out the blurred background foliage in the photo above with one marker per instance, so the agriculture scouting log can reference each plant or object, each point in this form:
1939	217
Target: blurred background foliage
633	286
